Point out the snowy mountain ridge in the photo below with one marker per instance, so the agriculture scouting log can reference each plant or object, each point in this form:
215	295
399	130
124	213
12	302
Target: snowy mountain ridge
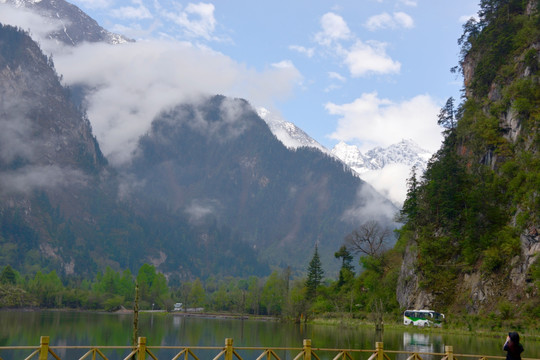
73	26
406	152
289	134
386	169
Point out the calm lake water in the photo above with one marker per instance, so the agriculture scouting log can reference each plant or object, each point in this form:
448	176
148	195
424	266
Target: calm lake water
85	328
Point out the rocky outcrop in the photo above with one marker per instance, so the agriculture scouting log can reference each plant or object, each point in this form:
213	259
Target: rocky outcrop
408	293
480	290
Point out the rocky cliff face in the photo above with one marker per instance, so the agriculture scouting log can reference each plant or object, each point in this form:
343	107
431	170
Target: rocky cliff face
499	130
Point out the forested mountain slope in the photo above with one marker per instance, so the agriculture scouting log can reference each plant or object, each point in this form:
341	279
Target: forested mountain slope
473	221
216	161
210	191
60	207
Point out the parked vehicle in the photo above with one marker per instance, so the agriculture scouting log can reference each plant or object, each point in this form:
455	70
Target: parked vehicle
423	318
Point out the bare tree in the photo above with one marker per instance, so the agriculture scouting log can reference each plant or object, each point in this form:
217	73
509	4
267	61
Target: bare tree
369	239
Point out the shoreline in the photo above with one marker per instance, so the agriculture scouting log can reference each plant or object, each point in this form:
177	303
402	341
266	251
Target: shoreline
208	315
526	333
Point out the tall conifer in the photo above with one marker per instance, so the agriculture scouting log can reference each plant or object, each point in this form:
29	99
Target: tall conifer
315	274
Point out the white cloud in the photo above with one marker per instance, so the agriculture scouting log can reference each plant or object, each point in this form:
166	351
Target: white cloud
403	20
334	28
361	58
309	52
136	81
336	76
390	181
30	177
368	58
25	19
369	205
131	12
373	121
386	21
197	20
199	210
285	64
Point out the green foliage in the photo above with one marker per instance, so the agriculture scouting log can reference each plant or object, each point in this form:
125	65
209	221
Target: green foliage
153	289
47	288
12	296
505	309
346	273
480	190
502	33
114	303
197	294
8	276
315	274
273	294
409	210
447	115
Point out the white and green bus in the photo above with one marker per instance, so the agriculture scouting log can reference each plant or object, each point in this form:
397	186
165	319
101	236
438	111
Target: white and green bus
423	318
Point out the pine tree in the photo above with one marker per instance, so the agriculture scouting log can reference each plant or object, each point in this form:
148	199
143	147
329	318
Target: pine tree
347	269
8	276
315	275
447	114
409	210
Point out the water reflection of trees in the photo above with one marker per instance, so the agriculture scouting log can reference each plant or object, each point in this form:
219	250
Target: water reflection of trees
100	329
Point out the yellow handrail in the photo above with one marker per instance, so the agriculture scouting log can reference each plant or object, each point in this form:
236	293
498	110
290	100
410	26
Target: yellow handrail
143	352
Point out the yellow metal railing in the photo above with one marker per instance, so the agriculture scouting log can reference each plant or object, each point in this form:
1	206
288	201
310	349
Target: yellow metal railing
229	352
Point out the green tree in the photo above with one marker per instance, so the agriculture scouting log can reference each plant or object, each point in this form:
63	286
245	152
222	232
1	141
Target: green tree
253	295
145	278
197	294
315	274
346	272
47	288
298	300
447	115
159	291
8	276
107	283
272	297
126	285
409	210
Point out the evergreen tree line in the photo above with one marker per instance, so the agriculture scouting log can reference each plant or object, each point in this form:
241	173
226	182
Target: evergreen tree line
279	294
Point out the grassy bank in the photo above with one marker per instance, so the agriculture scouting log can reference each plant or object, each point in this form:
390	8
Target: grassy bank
472	325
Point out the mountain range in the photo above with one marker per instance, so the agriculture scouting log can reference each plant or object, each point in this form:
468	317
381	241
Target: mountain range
394	162
209	190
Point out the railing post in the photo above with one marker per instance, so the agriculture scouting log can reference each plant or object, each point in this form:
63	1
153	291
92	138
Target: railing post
43	347
307	349
449	350
141	348
228	349
380	350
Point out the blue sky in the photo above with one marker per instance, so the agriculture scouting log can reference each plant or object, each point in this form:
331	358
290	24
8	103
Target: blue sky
368	72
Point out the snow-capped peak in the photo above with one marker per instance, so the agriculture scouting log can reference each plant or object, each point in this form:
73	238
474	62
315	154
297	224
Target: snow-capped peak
386	169
405	152
289	134
352	156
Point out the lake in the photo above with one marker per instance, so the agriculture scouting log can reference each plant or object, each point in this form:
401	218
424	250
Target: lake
108	329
